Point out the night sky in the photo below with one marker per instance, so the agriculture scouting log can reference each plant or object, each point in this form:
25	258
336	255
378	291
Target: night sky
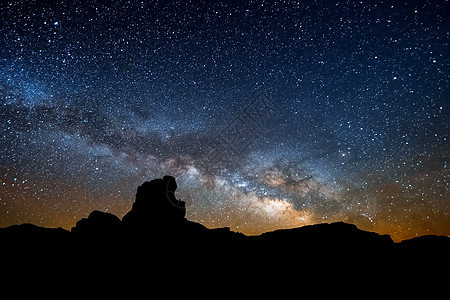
270	114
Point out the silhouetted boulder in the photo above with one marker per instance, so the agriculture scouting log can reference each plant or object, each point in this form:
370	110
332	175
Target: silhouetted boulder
98	222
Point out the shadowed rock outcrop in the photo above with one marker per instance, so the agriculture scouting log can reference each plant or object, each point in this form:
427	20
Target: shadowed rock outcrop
158	214
156	207
98	223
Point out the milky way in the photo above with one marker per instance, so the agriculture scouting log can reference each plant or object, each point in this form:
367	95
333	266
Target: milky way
270	114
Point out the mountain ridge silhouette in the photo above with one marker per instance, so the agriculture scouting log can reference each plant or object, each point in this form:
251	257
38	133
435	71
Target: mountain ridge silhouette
157	223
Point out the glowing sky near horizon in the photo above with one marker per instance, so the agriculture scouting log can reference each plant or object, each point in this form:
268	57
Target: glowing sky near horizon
270	114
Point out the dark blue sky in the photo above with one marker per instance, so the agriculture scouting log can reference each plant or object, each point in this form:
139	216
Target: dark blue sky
99	96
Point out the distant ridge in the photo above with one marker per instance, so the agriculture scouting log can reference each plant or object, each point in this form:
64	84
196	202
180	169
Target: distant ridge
31	229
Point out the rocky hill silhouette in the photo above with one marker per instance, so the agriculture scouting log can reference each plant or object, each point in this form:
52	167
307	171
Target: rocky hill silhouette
156	228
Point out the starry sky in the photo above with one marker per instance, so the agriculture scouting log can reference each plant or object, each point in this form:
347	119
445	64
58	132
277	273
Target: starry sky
270	114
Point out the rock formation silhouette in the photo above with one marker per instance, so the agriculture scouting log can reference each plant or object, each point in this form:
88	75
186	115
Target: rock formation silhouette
156	207
157	216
